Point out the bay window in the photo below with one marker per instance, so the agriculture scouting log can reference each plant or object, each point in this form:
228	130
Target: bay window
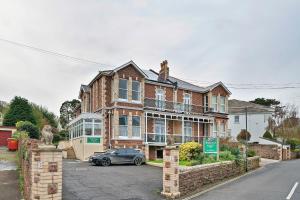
123	89
136	127
136	91
214	103
222	104
123	126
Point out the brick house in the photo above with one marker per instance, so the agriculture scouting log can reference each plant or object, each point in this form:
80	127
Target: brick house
131	107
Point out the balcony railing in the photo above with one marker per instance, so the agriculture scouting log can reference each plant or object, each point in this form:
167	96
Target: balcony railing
172	106
153	138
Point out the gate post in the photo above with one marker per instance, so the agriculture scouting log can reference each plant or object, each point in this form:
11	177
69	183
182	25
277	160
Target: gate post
171	172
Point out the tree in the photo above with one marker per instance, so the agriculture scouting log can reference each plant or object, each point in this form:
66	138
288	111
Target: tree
67	111
266	102
43	116
243	136
19	110
268	135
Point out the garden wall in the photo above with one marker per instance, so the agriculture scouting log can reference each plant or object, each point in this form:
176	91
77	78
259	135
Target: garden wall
41	170
267	151
180	181
196	178
295	154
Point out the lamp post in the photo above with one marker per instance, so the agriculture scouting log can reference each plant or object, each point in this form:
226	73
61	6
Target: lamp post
246	112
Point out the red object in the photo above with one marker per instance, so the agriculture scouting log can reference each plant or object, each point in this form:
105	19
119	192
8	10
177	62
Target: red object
12	144
4	135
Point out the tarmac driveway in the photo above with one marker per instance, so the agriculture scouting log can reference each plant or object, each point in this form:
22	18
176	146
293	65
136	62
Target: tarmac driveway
116	182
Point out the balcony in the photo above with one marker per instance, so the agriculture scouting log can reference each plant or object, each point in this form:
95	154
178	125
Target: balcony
159	139
170	106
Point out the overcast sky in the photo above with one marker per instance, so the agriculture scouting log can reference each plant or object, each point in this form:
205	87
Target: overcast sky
240	43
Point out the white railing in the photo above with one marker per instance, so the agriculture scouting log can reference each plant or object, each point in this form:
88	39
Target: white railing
153	138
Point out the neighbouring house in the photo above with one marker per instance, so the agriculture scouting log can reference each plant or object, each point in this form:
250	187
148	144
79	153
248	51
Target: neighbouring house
145	109
258	116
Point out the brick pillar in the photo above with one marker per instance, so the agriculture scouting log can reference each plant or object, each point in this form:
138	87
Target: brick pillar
147	152
171	172
279	152
46	173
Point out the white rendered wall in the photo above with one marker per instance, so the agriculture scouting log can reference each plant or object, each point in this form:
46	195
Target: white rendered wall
257	124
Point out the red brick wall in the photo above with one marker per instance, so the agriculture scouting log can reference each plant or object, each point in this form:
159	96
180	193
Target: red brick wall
180	95
130	71
219	90
169	94
149	91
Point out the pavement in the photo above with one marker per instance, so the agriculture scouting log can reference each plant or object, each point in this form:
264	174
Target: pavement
9	177
271	182
82	180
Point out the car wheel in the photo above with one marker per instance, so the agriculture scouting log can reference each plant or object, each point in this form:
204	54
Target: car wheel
138	161
105	162
98	162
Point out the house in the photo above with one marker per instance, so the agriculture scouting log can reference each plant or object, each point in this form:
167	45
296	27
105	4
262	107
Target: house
258	116
145	109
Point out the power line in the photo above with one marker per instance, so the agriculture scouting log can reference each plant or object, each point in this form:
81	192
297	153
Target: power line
53	53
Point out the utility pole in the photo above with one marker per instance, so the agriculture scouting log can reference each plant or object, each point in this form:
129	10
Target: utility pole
246	112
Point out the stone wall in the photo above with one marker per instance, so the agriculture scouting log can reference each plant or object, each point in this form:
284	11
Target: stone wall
195	179
295	155
267	151
41	168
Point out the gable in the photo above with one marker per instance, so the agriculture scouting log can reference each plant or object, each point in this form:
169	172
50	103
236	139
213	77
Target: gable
130	71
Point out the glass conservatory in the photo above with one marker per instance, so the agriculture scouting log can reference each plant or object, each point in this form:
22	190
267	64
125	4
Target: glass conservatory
86	132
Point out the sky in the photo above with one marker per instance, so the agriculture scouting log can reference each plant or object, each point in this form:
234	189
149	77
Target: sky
246	44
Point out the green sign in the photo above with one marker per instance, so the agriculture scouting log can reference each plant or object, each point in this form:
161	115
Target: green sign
211	145
93	140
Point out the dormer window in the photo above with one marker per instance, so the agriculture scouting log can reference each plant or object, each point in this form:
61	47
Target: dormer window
214	103
222	104
123	91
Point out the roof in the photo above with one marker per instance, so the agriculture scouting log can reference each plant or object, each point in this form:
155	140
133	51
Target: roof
238	106
152	75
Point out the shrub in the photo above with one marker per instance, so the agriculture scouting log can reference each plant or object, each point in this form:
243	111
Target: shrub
20	134
31	129
268	135
64	135
293	143
189	151
56	138
251	153
243	136
19	110
224	147
226	155
209	159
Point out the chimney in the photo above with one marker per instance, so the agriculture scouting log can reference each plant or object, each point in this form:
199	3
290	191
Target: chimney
164	71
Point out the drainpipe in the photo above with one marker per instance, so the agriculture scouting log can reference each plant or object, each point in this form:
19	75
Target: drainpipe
109	138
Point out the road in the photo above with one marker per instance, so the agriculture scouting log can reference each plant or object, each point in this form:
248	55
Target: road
272	182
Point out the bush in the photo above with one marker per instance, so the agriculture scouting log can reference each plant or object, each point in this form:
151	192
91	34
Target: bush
209	159
189	151
226	155
224	147
293	143
64	135
56	139
251	153
20	134
243	136
267	135
31	129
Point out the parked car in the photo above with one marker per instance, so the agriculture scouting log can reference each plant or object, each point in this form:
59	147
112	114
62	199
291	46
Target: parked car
118	156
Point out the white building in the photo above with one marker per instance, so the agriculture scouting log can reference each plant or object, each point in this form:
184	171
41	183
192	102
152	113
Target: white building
258	116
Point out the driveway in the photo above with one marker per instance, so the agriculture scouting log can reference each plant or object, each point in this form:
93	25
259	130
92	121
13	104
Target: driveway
117	182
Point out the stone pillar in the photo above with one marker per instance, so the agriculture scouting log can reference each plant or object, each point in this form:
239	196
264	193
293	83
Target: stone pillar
147	152
171	172
46	173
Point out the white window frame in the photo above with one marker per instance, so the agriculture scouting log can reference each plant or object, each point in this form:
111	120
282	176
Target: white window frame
188	129
223	129
222	104
139	92
123	136
160	97
215	129
187	102
140	133
214	105
122	99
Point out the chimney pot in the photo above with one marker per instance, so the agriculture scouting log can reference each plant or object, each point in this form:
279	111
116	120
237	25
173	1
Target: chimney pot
164	71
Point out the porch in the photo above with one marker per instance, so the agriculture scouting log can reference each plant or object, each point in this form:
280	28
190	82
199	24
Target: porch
162	128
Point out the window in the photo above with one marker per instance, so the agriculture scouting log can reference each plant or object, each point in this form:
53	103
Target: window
187	131
97	126
214	103
88	126
236	119
123	89
206	103
215	129
123	126
222	104
160	100
187	102
136	91
136	126
223	130
160	130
